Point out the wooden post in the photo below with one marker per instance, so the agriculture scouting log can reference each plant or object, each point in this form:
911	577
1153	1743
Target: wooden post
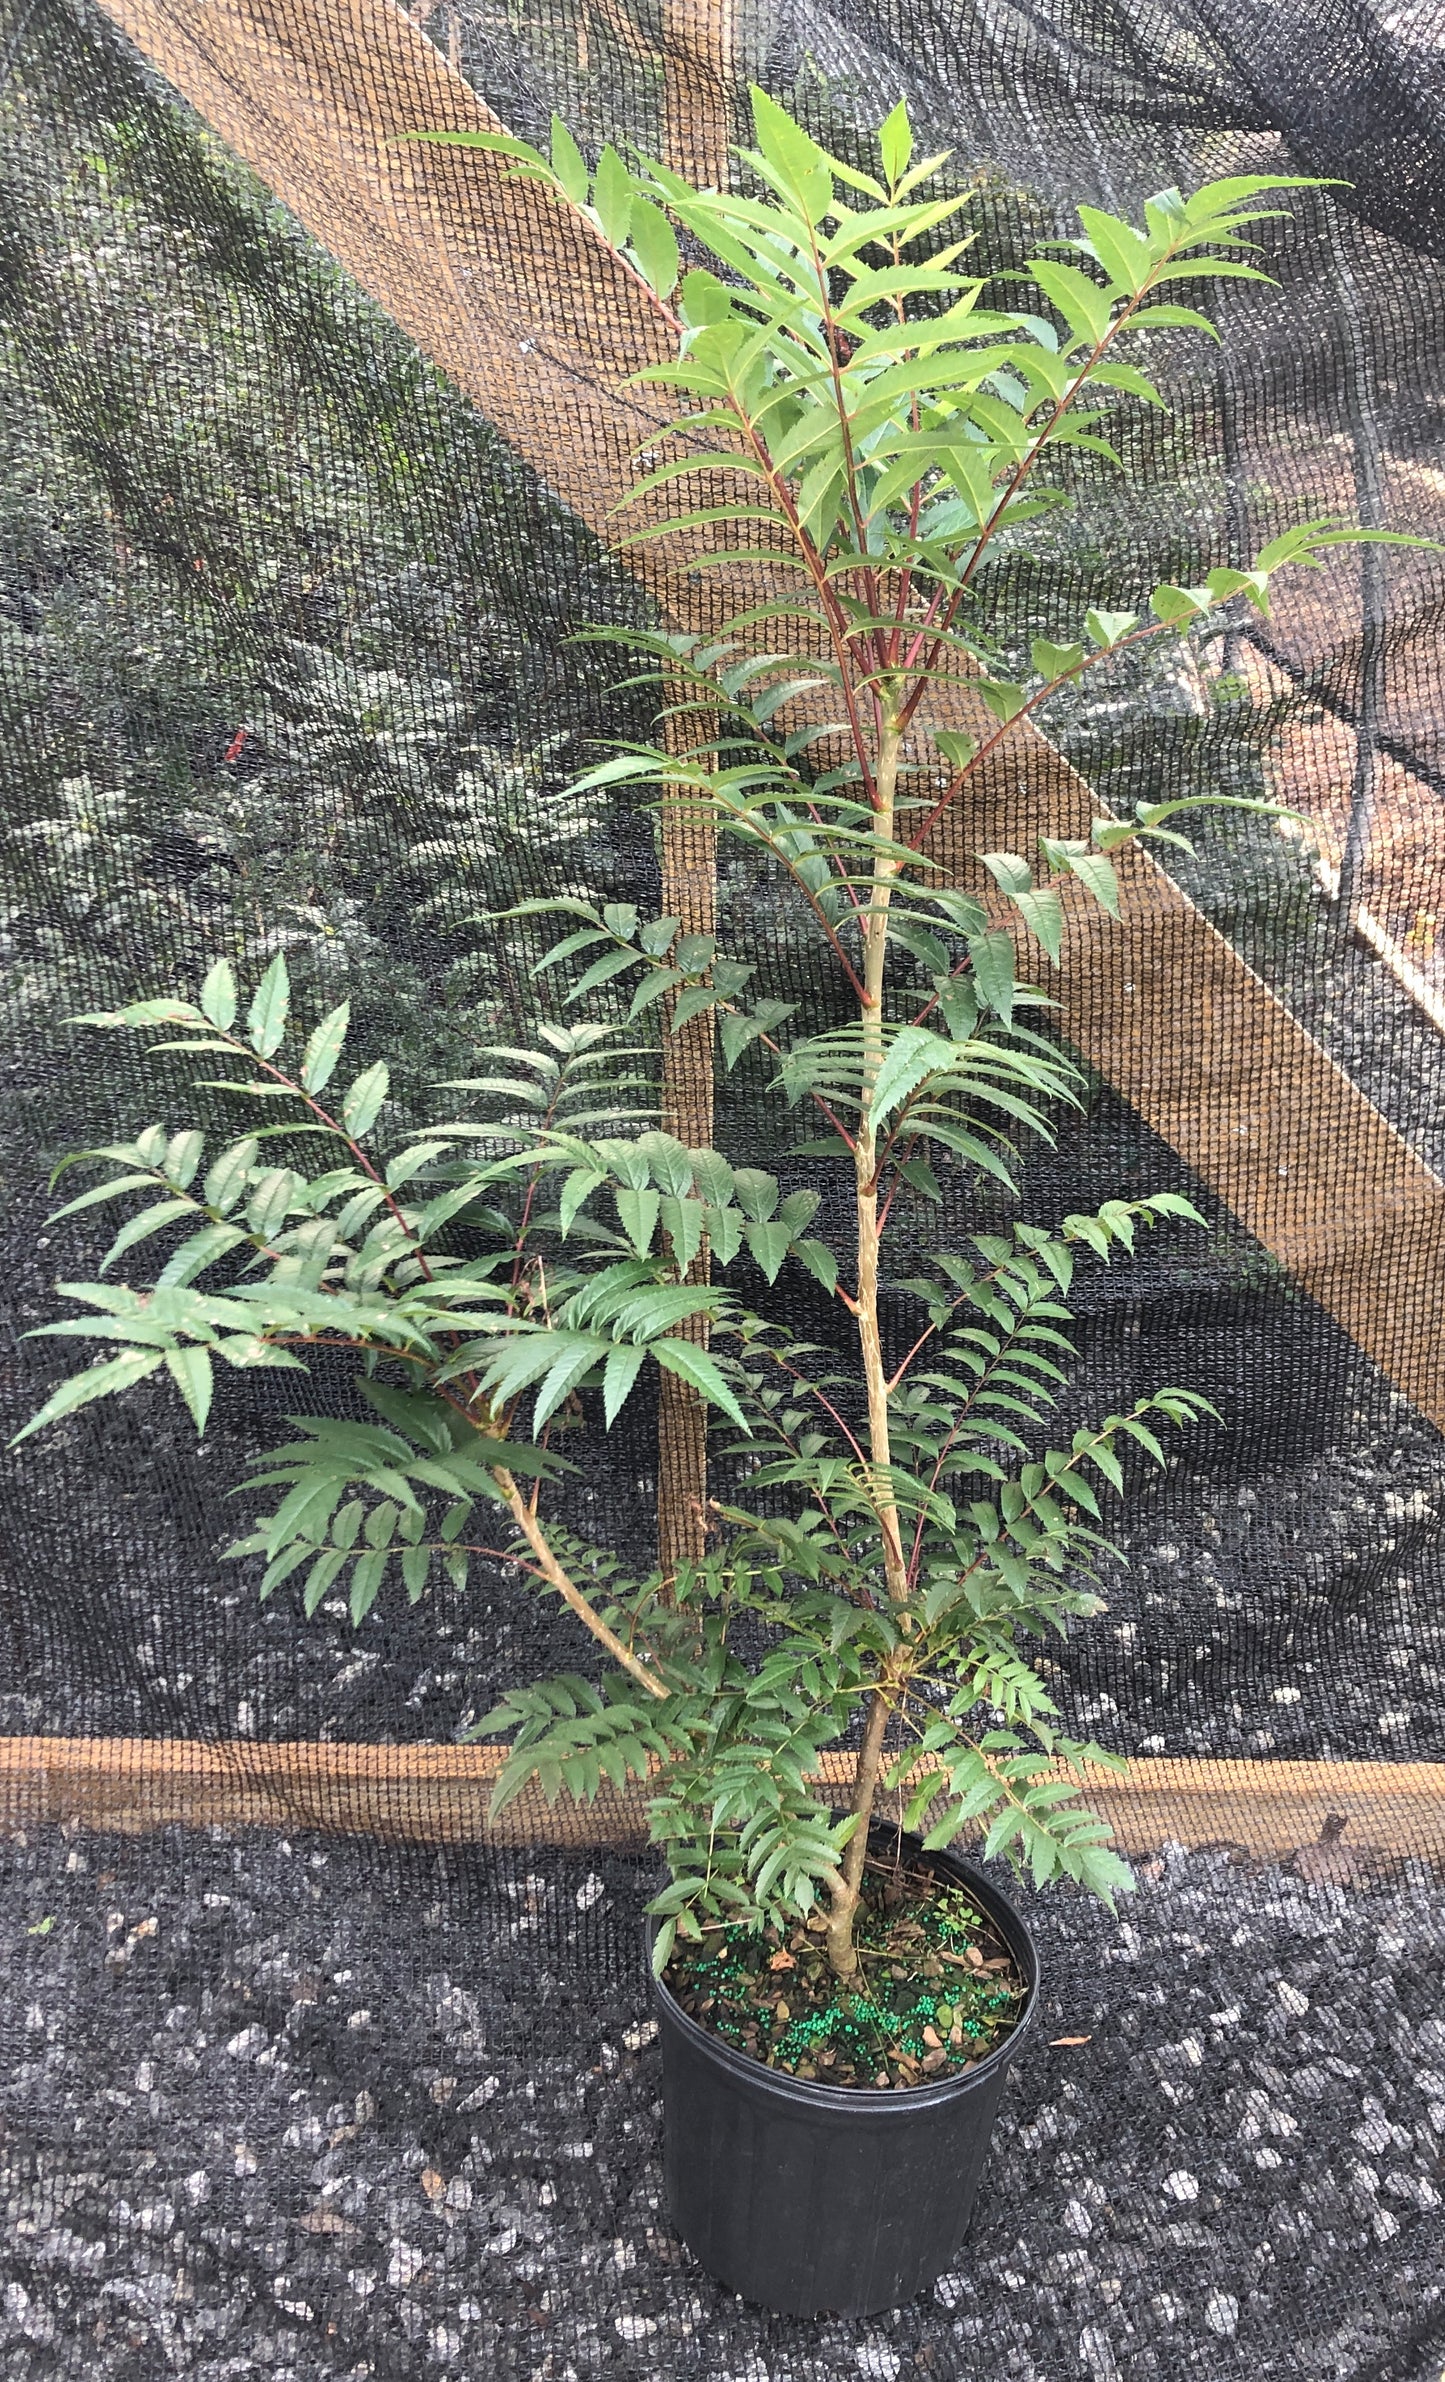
698	64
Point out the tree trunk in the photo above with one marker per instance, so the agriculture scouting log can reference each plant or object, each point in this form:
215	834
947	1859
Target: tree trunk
841	1950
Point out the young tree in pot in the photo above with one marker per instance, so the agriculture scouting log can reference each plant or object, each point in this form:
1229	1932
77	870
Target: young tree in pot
895	1534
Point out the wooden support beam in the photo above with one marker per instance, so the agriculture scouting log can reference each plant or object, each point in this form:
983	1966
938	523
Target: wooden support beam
698	45
513	300
1338	1819
699	41
1389	951
1311	767
1199	1045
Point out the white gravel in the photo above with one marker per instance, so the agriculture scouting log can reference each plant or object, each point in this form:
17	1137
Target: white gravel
209	2171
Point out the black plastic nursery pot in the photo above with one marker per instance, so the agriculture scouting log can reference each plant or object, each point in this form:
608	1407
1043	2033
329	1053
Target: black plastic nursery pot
806	2197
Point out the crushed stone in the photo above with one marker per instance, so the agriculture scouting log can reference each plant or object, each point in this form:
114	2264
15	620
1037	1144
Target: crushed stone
209	2170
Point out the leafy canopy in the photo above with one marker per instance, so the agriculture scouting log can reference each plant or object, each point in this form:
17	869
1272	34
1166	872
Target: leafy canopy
891	1537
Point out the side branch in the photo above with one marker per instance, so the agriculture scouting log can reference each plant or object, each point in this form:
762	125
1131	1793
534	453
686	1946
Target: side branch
568	1590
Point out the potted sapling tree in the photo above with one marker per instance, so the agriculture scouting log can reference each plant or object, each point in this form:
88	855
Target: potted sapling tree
889	1538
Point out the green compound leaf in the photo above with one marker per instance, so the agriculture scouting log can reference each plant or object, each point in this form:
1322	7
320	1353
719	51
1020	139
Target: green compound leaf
100	1381
696	1367
218	996
324	1049
270	1008
363	1103
654	244
569	165
190	1369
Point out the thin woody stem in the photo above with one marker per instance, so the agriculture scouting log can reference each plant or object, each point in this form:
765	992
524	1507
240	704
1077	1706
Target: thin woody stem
811	1389
551	1570
759	834
836	619
842	1951
1025	711
865	1160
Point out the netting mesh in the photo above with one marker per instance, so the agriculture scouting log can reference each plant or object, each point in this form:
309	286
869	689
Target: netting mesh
307	455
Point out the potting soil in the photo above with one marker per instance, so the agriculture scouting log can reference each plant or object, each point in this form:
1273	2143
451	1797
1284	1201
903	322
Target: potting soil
936	1989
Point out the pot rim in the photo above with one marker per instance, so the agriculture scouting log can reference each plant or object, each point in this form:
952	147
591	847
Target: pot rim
840	2097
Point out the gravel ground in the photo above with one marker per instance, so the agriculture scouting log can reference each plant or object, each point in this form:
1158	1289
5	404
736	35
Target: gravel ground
283	2110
